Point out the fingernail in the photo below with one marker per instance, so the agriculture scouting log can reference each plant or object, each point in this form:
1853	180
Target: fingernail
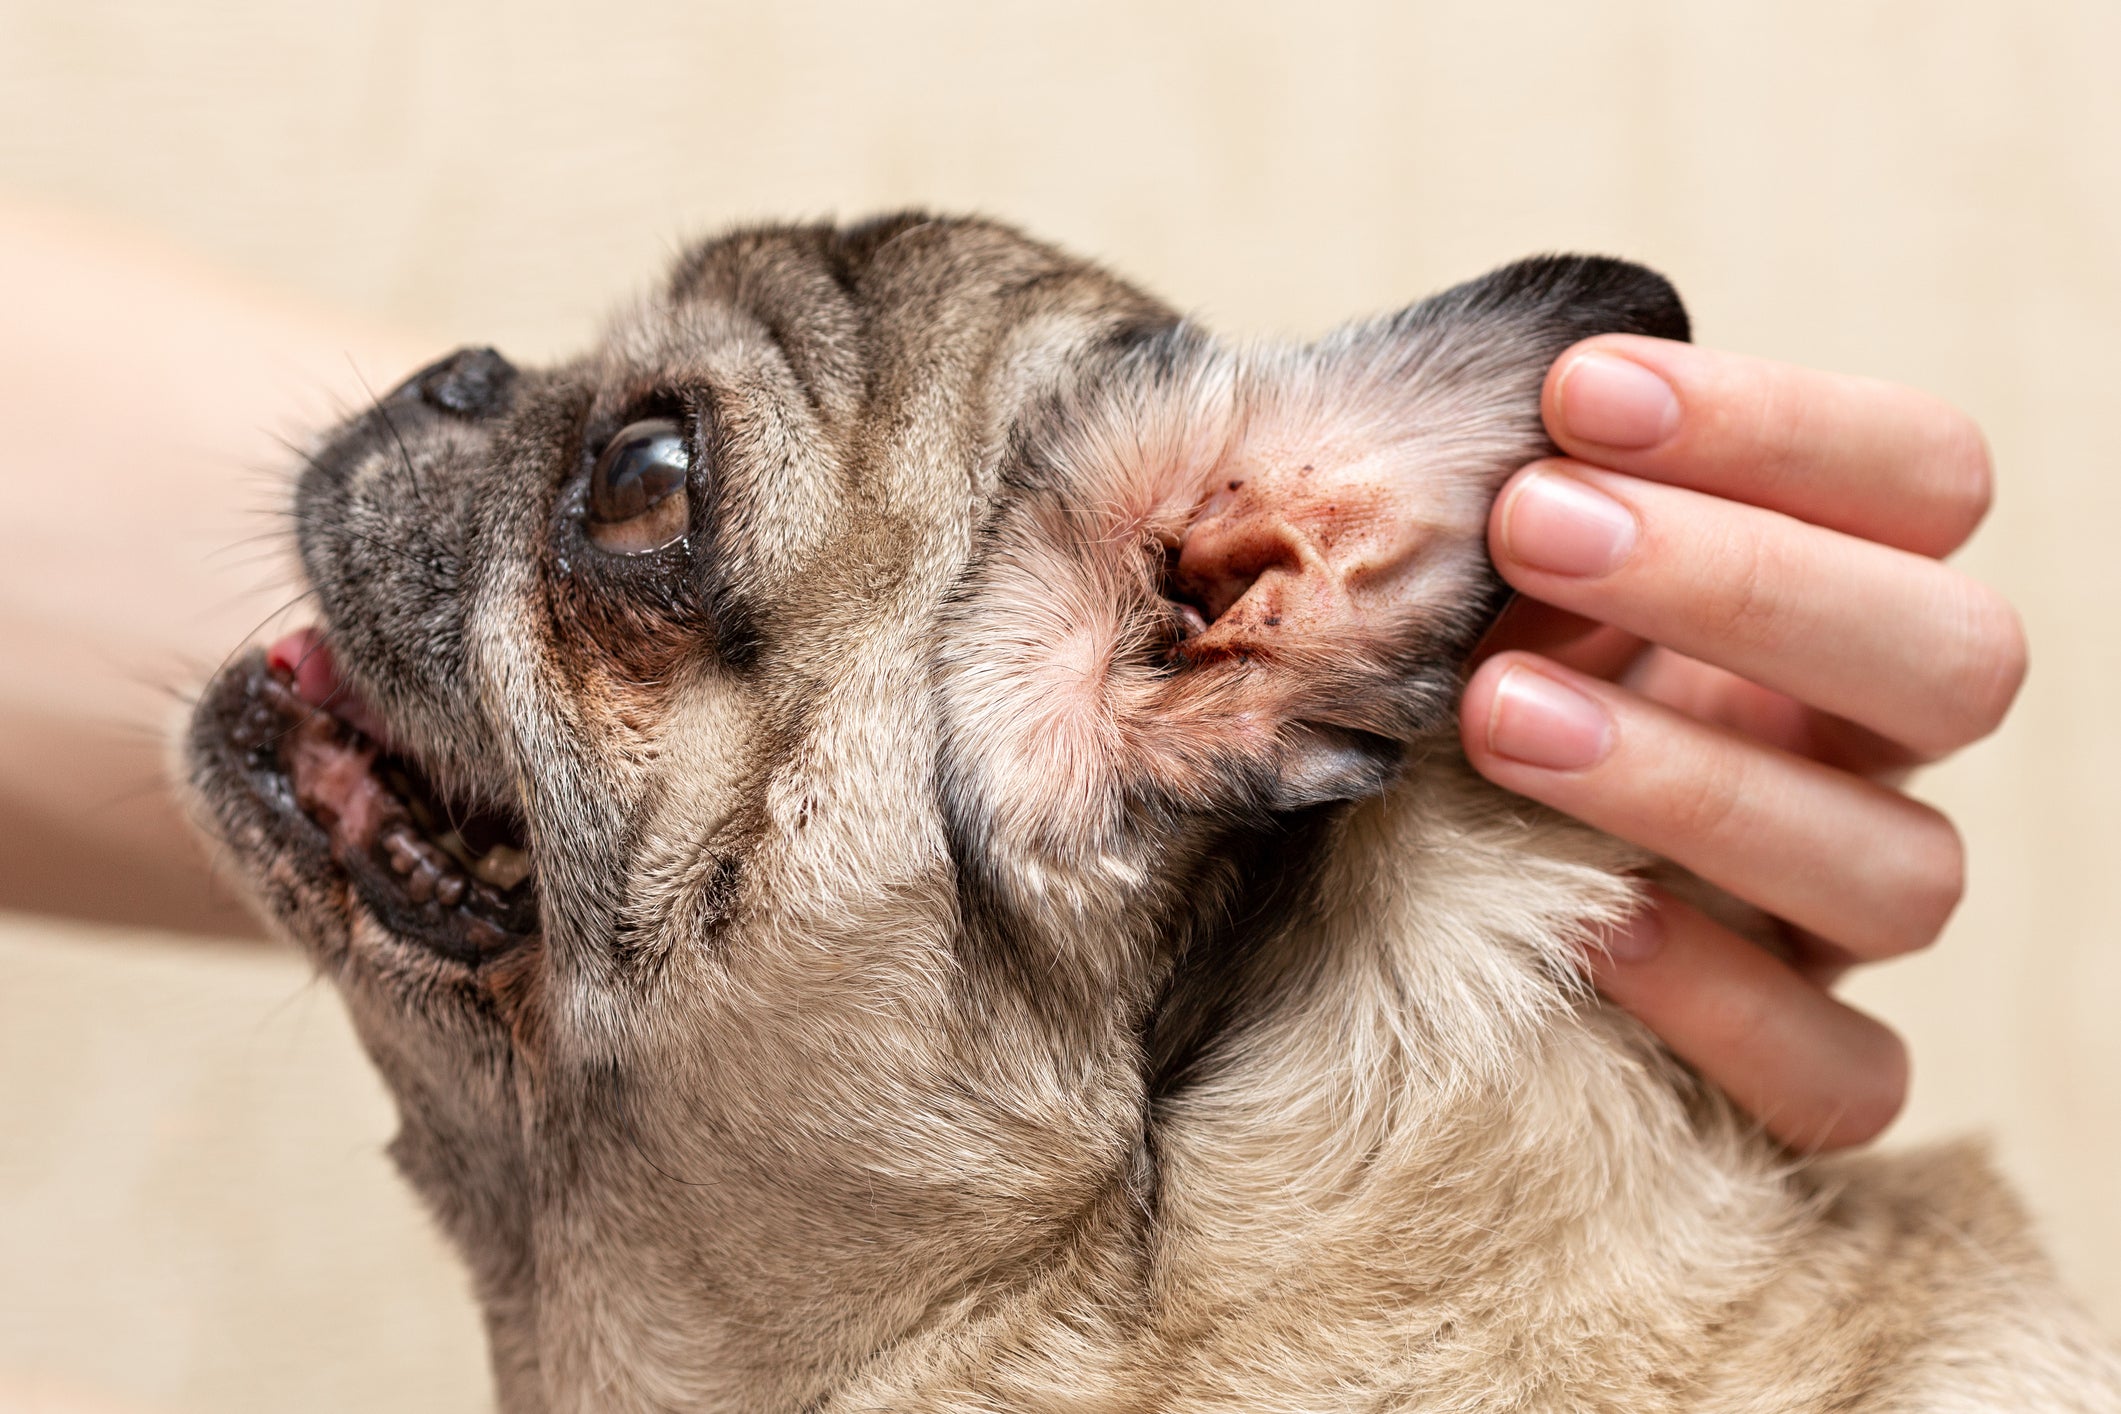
1562	525
1538	721
1637	940
1615	402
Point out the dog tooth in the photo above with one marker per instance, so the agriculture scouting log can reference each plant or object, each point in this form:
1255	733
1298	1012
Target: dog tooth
421	885
454	845
450	889
503	866
403	850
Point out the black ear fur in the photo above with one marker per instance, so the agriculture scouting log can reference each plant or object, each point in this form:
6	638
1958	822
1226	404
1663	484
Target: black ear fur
1563	298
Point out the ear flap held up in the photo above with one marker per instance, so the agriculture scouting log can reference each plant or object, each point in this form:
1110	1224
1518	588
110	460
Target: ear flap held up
1351	508
1390	429
1237	579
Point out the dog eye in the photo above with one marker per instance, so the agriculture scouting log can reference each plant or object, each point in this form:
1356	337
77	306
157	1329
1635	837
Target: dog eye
637	496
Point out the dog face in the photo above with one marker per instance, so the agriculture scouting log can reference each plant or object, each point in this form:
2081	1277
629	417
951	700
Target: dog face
778	794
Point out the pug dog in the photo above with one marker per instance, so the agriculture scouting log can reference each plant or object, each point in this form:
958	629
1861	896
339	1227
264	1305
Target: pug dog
895	831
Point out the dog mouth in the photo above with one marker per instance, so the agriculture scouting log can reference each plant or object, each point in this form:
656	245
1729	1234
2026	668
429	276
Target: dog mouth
453	875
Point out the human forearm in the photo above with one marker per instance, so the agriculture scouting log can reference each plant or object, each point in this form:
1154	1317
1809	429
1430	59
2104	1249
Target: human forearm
143	402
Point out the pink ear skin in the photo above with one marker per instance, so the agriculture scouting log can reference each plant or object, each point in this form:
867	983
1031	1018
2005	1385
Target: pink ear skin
1333	566
1298	543
1240	587
1334	550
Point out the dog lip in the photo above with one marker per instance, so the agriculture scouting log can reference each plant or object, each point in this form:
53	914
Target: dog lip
278	769
307	657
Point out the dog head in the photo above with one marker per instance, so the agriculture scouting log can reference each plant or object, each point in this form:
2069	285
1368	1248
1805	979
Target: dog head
776	792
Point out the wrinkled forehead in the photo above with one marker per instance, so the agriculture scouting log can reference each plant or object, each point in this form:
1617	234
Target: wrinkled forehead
900	306
859	386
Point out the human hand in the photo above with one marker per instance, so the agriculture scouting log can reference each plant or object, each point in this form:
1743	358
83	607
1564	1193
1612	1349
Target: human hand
1736	638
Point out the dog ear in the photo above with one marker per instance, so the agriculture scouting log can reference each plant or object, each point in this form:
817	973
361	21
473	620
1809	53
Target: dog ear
1339	553
1243	578
1356	469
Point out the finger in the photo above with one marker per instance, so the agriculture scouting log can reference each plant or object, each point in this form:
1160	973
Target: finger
1831	853
1893	641
1701	690
1872	459
1817	1073
1721	698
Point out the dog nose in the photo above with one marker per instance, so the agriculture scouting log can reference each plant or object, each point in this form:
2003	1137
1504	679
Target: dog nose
469	383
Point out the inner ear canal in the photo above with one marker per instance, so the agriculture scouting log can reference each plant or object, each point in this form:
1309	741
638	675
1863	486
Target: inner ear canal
1258	561
1190	611
1226	547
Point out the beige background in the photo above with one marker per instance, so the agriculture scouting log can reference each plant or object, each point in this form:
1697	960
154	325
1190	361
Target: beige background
194	1213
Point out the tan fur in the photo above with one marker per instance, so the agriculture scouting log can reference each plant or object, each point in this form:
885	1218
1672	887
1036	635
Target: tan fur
963	986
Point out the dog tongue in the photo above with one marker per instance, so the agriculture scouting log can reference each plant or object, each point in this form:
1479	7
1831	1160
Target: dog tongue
306	656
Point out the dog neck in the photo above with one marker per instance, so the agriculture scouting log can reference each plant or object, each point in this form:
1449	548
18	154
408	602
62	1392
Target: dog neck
1428	1119
1431	1128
